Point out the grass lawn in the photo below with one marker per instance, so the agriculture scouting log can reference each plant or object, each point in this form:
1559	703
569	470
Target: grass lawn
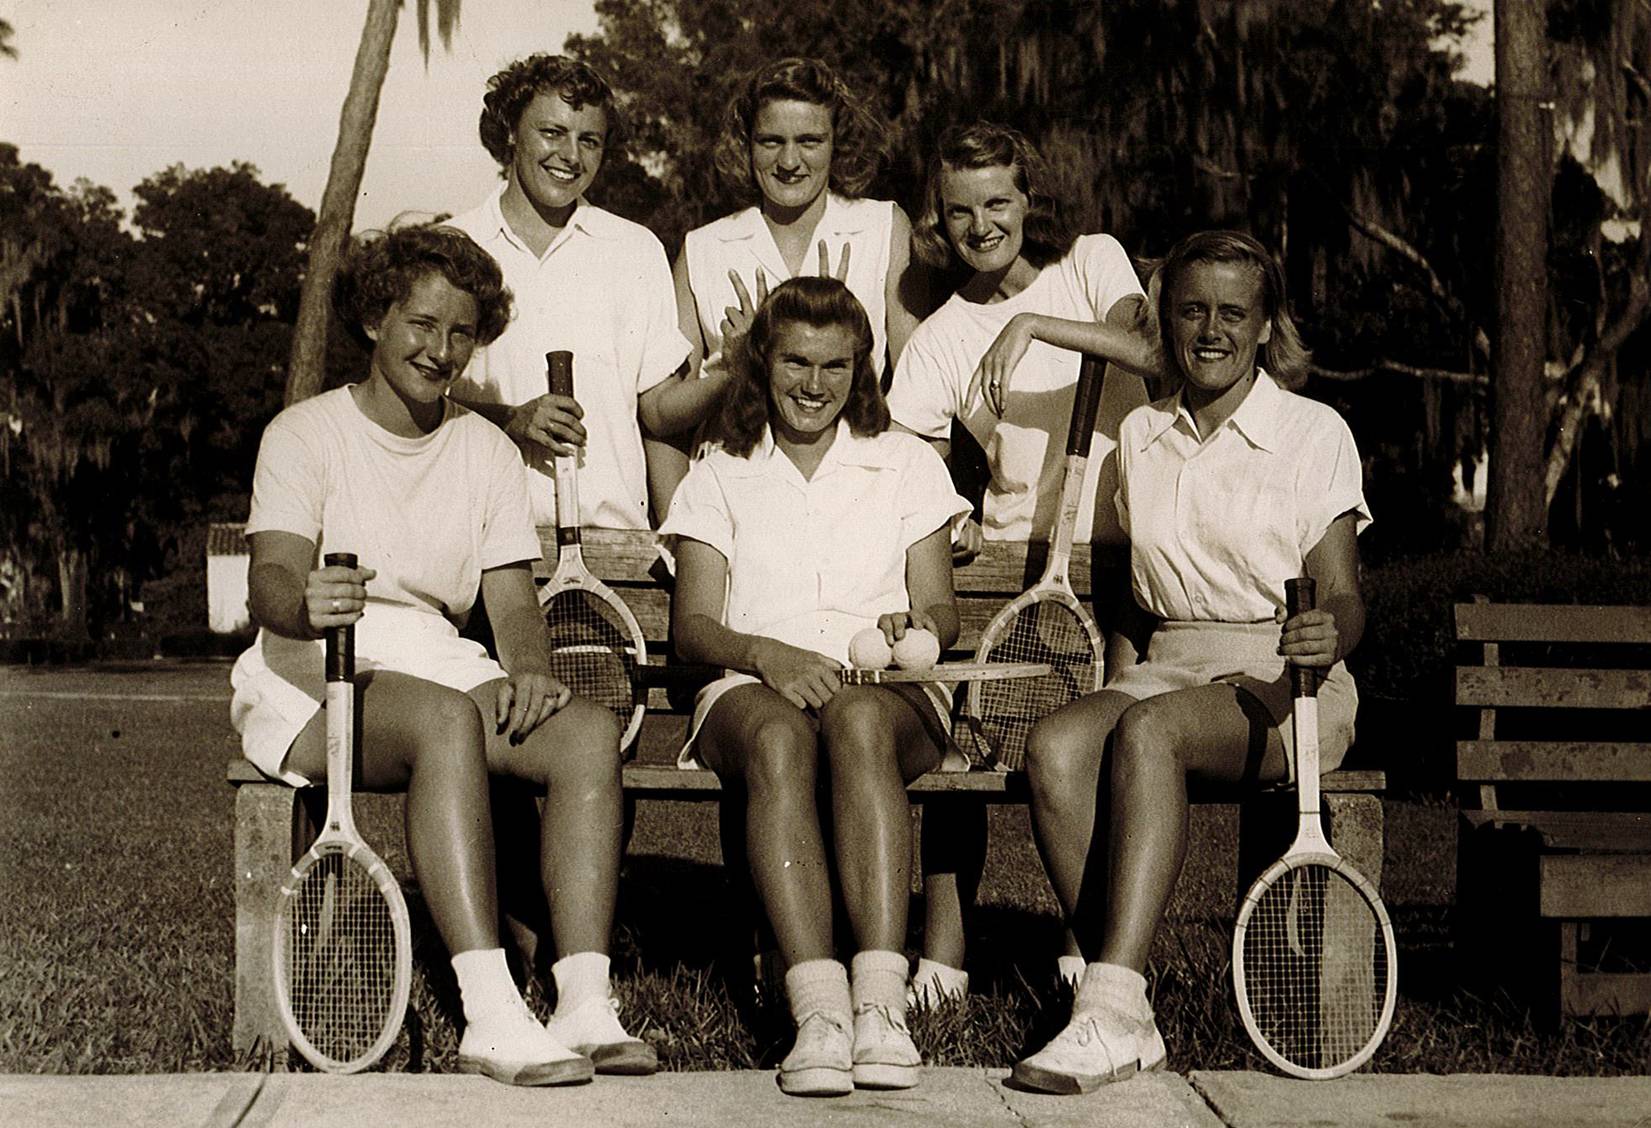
116	918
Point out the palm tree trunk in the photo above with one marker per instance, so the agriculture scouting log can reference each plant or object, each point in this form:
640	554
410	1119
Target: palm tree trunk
1516	516
332	227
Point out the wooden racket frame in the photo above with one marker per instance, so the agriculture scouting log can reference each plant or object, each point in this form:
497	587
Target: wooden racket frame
340	836
1310	848
1055	585
944	672
572	574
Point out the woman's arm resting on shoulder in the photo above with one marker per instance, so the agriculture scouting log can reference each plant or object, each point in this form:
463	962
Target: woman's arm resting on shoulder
802	677
293	600
1324	636
929	588
529	695
1119	339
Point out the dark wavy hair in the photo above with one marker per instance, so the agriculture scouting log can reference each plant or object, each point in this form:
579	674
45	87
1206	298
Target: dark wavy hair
1284	356
821	302
509	92
1048	232
382	267
859	142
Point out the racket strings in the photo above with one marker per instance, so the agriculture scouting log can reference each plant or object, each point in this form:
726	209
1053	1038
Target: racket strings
592	651
340	958
1316	964
1044	632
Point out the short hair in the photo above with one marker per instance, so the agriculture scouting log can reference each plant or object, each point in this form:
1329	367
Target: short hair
509	92
859	142
820	302
1284	355
382	267
1048	233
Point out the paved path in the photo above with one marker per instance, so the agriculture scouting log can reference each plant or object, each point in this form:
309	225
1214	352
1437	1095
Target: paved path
952	1098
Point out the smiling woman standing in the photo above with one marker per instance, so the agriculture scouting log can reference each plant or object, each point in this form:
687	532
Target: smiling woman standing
807	522
1227	489
799	142
433	500
1001	357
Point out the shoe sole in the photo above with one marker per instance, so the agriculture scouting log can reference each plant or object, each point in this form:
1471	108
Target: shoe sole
876	1075
1072	1084
820	1082
573	1071
623	1059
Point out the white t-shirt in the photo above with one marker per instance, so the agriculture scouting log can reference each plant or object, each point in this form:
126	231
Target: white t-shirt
742	242
603	291
1026	448
1216	527
811	561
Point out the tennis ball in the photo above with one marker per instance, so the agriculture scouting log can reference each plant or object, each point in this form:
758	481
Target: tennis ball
869	650
917	649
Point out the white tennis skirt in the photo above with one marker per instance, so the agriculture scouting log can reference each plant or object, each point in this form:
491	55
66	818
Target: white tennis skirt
1182	655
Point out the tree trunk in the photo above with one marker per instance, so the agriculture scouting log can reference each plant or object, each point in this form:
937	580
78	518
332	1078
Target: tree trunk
306	367
71	585
1516	516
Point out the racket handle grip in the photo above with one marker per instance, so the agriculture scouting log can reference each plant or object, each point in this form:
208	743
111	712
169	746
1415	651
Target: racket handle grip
1087	402
340	640
1301	594
559	372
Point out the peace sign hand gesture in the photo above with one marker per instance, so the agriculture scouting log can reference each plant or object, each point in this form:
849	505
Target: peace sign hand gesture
841	273
736	321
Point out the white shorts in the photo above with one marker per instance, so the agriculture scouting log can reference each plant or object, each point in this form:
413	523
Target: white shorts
279	683
1183	655
932	700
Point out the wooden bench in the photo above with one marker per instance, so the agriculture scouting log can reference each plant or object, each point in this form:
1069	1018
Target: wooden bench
273	822
1556	836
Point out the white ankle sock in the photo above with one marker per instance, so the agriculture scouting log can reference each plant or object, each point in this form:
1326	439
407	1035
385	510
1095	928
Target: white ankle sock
1070	968
1115	987
880	980
485	986
944	978
579	977
818	985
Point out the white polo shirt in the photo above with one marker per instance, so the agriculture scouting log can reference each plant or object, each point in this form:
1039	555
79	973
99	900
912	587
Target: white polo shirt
811	561
1216	527
603	291
742	243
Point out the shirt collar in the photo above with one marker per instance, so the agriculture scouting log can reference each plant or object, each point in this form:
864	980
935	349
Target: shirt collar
1256	418
837	219
847	449
587	218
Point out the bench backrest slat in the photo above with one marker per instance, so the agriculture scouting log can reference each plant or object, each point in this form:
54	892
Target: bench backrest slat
1543	622
1553	760
1543	688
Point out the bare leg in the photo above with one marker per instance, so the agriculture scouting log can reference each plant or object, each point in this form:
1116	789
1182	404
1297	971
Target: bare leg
875	743
1064	753
428	739
759	739
575	757
1209	732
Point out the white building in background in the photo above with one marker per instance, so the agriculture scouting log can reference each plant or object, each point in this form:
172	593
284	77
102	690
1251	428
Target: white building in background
226	579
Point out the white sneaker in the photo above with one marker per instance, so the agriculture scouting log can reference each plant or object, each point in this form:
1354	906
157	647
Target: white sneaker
510	1046
884	1055
1095	1048
821	1061
592	1028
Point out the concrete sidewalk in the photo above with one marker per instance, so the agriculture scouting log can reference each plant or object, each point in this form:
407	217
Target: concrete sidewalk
955	1098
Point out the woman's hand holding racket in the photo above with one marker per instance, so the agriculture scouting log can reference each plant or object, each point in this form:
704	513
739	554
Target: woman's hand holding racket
335	595
553	421
805	678
526	700
1309	638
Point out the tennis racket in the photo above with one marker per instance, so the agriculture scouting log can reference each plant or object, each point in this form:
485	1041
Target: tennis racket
945	672
343	946
596	644
1313	950
1047	623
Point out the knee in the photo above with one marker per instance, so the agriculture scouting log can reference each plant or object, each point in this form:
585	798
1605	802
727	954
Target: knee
781	760
581	752
449	729
855	729
1059	749
1144	739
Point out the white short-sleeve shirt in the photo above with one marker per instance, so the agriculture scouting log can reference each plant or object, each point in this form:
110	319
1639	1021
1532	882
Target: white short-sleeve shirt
811	561
742	243
1026	448
1216	526
602	290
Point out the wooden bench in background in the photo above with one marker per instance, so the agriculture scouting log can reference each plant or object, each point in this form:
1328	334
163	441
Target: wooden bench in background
274	823
1556	841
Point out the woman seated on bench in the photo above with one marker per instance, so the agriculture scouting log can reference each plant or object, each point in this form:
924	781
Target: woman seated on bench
433	500
808	522
1226	489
